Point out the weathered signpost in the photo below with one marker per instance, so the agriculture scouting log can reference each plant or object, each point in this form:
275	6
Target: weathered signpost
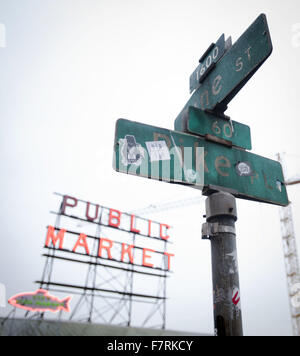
207	151
232	71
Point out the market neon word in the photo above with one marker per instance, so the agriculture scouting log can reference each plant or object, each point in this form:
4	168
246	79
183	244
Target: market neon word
40	301
105	247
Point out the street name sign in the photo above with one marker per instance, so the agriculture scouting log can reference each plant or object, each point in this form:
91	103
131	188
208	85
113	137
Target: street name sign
208	124
157	153
208	61
232	72
148	151
207	151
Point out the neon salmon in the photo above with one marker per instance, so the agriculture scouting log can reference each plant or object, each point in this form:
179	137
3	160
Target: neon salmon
40	301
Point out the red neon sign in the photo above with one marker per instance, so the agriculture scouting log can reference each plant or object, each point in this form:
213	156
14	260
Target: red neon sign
116	218
105	248
108	249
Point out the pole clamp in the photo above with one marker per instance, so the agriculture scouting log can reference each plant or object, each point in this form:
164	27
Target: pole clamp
214	229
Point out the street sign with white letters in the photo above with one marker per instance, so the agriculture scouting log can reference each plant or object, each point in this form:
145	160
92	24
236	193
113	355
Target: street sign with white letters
144	150
232	72
208	61
156	153
209	125
207	151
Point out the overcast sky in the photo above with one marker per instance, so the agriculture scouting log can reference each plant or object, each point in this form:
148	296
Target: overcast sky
70	68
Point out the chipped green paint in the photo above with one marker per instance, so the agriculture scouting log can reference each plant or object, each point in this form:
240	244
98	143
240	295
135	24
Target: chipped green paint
157	153
207	61
202	123
244	174
232	72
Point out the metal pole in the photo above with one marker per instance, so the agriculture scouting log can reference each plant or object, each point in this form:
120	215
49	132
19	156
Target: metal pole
221	216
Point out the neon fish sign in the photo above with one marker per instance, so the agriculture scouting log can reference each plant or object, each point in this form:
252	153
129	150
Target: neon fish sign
40	301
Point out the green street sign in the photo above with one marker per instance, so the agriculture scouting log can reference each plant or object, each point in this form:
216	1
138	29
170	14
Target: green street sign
208	61
232	72
219	129
159	154
176	157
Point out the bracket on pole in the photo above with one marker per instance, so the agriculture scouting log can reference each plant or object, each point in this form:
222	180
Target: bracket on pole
214	229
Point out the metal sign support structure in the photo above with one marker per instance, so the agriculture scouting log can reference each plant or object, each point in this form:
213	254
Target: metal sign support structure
113	309
95	303
221	215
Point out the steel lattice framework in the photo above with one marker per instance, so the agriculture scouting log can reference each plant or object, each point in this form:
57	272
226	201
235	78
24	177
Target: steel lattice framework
108	294
290	257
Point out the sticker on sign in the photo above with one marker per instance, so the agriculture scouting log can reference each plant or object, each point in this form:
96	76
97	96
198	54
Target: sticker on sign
158	154
158	151
198	163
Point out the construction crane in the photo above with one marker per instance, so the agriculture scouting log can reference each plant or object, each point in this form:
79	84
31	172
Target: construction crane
290	255
168	205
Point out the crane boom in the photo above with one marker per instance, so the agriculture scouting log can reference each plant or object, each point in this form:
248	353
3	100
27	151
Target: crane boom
291	257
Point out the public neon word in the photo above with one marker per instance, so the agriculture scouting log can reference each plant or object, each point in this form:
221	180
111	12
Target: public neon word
117	219
104	249
40	301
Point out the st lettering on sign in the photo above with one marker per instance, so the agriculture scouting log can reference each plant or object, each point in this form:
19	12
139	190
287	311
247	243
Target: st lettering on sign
232	71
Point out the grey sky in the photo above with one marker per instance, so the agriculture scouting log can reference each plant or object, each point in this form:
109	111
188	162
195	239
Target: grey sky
71	68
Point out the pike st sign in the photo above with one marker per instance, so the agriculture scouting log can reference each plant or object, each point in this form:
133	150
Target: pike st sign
160	154
207	151
181	158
